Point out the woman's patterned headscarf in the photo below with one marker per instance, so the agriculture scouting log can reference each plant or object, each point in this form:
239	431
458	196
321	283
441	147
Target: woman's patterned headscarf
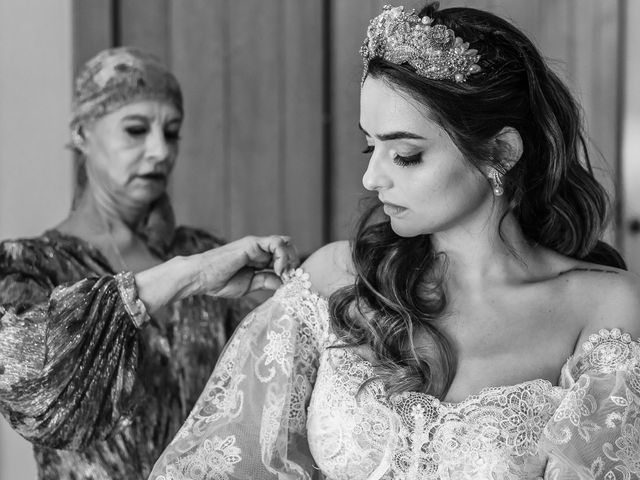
117	76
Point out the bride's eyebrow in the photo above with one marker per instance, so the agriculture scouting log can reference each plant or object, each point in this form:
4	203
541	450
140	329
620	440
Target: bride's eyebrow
400	134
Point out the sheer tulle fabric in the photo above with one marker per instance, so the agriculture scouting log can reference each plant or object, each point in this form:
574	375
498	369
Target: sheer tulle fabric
281	405
250	421
595	431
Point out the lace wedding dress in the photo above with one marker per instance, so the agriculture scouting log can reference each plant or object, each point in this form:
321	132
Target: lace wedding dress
282	405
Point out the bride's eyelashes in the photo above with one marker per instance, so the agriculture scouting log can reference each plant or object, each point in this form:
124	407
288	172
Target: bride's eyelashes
407	161
399	160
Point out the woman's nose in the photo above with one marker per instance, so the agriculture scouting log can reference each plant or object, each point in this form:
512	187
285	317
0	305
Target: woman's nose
157	146
374	177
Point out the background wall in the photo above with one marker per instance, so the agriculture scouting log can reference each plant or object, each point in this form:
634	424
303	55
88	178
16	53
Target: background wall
271	142
630	174
35	168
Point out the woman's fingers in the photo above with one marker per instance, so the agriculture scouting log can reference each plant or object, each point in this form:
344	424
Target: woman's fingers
265	280
238	267
247	280
282	254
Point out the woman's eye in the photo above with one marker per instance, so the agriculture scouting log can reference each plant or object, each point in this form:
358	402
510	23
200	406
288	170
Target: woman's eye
172	136
136	131
368	149
407	161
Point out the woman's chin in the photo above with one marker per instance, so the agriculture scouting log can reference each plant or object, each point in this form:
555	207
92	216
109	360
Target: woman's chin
147	194
404	230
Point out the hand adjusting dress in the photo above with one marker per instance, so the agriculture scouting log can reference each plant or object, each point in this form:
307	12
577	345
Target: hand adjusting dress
281	404
99	398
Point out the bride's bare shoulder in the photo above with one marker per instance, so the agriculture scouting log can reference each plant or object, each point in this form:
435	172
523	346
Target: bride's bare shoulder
330	267
603	297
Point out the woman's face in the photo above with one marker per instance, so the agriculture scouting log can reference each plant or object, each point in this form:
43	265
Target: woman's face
420	176
130	152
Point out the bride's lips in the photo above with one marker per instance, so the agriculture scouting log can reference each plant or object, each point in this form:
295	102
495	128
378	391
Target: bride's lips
392	209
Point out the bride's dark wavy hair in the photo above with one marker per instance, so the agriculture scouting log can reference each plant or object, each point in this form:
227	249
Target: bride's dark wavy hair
398	292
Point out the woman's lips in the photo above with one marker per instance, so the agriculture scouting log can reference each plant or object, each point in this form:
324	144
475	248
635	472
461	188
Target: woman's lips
157	177
392	209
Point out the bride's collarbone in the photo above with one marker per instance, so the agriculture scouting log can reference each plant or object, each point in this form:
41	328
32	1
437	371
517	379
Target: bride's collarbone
506	344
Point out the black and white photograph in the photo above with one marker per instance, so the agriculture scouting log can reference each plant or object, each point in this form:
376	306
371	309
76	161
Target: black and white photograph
319	240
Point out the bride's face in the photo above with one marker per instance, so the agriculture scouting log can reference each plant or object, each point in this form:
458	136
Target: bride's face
420	176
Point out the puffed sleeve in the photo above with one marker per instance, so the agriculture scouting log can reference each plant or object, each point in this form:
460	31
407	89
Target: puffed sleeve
68	353
250	421
595	432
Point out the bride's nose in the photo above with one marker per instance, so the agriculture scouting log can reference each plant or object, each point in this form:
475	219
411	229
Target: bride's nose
375	177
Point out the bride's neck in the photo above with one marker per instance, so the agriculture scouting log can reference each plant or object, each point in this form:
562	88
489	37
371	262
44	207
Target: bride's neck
475	257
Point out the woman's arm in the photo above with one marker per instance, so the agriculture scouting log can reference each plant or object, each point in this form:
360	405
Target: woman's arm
68	359
69	353
231	270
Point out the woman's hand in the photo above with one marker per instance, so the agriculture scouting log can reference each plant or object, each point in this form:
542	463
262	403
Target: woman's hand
232	270
251	263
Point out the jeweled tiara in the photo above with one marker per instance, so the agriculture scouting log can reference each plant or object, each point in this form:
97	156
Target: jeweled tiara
433	50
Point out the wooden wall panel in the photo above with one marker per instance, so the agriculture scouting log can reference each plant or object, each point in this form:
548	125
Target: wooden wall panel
349	21
255	133
92	29
630	168
145	24
198	55
596	80
302	198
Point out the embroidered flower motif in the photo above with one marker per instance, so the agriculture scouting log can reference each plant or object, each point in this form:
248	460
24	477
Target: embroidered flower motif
613	419
577	403
278	347
300	392
606	350
597	467
629	446
525	412
271	418
632	375
214	459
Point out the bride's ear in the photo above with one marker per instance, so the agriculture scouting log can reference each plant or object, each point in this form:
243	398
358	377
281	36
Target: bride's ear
508	147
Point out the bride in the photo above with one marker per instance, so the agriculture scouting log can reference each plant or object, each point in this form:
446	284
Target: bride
475	328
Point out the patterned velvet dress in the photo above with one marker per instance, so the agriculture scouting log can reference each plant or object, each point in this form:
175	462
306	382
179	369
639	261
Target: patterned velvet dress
98	397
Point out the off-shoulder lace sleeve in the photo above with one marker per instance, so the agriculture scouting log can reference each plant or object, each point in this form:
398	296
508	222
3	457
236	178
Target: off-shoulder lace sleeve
595	432
250	421
68	353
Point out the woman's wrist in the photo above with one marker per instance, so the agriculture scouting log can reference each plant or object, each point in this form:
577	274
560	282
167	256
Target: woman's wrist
128	290
189	273
168	282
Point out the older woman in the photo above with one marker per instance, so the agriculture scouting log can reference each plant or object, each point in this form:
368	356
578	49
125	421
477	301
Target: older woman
98	368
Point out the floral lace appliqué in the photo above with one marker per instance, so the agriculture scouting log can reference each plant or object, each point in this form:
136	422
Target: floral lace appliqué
601	410
414	436
213	460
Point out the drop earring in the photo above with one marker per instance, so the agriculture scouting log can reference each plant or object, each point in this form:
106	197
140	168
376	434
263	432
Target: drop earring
495	178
